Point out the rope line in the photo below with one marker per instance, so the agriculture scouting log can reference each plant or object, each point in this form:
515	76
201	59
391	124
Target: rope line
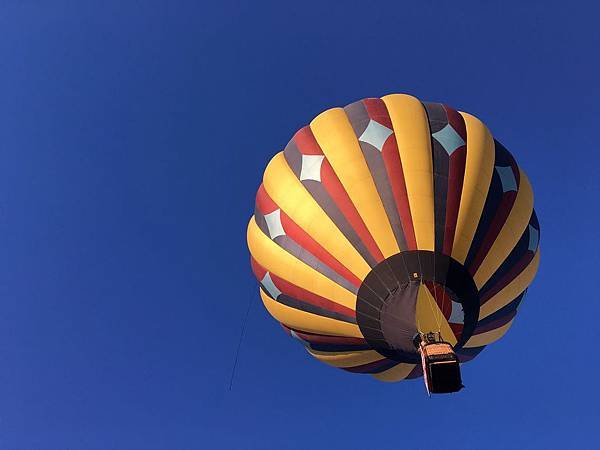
239	346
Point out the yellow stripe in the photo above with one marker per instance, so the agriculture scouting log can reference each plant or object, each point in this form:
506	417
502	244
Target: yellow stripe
283	264
411	129
479	168
346	359
335	135
509	235
488	337
291	196
305	321
512	290
428	315
396	373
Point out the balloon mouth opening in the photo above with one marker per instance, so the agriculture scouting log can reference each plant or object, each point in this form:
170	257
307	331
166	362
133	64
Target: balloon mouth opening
416	292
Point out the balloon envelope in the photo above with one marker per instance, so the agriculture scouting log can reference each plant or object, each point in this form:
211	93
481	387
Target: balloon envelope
388	218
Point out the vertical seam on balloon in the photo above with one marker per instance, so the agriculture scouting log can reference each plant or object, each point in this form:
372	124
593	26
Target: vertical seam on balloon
340	211
462	217
522	206
298	236
384	237
331	246
260	244
404	157
318	323
519	283
375	160
513	264
499	209
438	231
456	162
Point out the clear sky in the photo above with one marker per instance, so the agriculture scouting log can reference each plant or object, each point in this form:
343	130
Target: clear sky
133	136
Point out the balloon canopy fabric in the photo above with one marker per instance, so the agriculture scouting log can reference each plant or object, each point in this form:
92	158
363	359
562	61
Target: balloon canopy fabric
389	218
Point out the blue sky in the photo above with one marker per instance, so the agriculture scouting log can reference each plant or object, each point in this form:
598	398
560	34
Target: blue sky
133	136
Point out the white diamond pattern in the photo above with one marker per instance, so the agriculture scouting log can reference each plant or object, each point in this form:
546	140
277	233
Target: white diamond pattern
449	139
274	224
311	167
507	178
375	134
267	282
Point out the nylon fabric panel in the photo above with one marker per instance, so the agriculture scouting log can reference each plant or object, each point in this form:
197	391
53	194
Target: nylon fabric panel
295	297
437	118
325	187
448	142
299	243
346	359
509	235
292	197
516	262
479	340
387	217
456	177
417	372
411	128
327	343
500	317
336	137
366	116
512	290
479	168
373	367
305	321
501	196
284	265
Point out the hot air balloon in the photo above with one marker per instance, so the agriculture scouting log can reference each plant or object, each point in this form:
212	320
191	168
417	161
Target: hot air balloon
391	224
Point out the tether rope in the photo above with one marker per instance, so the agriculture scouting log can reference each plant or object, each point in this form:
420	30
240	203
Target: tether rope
239	346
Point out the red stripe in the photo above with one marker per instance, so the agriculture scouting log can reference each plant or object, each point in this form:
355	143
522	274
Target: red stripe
325	339
456	121
308	145
302	238
508	200
457	329
291	290
456	174
495	324
259	271
377	110
338	194
305	296
370	367
393	165
441	297
508	277
308	243
306	142
264	203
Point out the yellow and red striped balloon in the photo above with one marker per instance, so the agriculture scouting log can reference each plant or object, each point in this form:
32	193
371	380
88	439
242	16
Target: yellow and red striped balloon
387	218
